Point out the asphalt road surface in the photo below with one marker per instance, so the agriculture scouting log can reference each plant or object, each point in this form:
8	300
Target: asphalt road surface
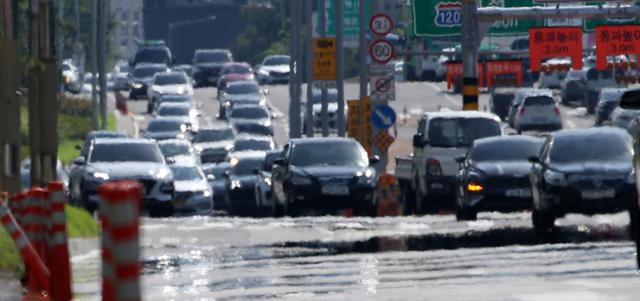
433	257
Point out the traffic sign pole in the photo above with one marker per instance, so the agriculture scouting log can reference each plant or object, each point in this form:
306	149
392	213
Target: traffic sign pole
340	69
470	41
308	119
362	54
323	98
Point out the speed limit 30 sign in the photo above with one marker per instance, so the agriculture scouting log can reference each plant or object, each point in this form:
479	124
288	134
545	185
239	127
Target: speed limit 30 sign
382	51
381	24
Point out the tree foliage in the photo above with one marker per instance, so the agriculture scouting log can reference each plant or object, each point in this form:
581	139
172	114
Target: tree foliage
266	31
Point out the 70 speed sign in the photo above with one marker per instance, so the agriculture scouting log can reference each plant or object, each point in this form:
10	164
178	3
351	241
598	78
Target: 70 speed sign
382	51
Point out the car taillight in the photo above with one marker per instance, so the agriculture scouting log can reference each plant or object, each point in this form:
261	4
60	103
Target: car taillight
433	167
557	109
522	110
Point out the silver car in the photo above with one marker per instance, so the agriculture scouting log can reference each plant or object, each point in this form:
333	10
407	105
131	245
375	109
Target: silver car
537	111
193	195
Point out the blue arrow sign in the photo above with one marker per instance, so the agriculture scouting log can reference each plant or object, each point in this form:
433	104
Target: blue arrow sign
383	117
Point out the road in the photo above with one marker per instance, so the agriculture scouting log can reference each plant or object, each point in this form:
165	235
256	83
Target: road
433	257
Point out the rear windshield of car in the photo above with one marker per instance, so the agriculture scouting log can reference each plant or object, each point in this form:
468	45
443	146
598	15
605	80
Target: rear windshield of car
246	166
329	154
165	126
212	57
538	101
249	112
125	152
170	79
461	132
186	173
173	111
147	71
216	171
174	149
507	150
214	135
254	128
243	89
599	148
236	69
247	145
276	60
153	55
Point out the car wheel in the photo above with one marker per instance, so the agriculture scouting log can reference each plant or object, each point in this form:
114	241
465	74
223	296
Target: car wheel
287	208
466	214
633	222
162	210
636	212
84	198
419	198
149	107
407	197
543	220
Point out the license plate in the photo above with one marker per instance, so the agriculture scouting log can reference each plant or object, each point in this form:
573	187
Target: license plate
179	203
598	194
335	190
538	119
213	79
518	193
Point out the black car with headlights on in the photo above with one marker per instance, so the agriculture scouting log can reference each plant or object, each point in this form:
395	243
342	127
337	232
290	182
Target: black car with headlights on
123	158
216	176
264	190
246	92
213	144
582	171
164	128
141	78
207	63
494	175
241	183
324	174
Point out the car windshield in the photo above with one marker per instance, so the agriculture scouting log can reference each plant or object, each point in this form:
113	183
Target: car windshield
236	69
249	112
253	128
153	55
173	111
461	132
212	57
506	150
216	171
169	79
598	148
175	98
186	173
174	149
245	88
276	60
166	126
213	135
328	153
125	152
252	144
246	166
538	101
143	72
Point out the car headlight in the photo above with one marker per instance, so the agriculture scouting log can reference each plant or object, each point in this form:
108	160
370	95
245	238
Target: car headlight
555	178
227	104
206	193
100	175
263	102
181	90
365	177
300	180
235	184
156	89
267	181
263	72
136	85
198	148
161	174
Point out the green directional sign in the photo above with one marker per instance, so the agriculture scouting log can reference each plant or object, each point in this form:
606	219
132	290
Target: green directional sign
441	18
350	20
590	24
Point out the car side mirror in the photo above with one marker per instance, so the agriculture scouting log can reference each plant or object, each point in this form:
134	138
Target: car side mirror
265	91
534	159
78	147
374	160
630	100
460	159
274	116
280	162
418	140
210	178
79	161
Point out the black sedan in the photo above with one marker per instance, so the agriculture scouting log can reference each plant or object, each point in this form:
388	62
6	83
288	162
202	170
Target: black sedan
324	174
164	128
241	183
582	171
141	78
501	101
216	175
494	175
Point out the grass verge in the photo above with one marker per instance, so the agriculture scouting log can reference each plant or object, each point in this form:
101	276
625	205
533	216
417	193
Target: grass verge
79	224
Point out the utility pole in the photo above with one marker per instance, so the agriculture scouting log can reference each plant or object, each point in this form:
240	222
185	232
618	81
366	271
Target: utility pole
10	100
94	64
470	43
34	70
362	58
324	111
340	66
102	60
294	107
308	120
48	93
60	41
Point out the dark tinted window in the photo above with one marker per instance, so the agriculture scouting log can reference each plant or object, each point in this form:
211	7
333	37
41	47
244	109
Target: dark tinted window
214	135
147	71
453	132
250	144
245	88
249	112
254	128
173	111
246	166
165	126
538	101
329	153
598	148
217	171
212	57
170	79
125	152
153	55
276	60
236	69
174	149
184	173
507	150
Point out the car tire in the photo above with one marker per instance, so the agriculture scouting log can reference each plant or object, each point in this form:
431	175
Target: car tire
161	210
149	107
84	199
466	214
636	212
633	221
543	220
408	198
419	199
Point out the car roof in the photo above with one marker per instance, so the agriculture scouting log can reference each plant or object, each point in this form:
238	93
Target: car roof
168	118
317	140
512	138
242	82
254	137
248	105
249	155
174	105
173	141
203	50
462	114
528	92
122	141
596	131
147	65
244	64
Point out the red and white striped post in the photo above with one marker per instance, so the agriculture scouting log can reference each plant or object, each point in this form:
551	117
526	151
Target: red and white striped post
58	248
37	271
120	217
34	220
17	206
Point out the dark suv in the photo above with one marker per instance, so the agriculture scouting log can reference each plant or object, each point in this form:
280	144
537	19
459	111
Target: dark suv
157	54
207	64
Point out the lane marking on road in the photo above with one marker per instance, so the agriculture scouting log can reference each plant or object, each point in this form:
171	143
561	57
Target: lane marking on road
444	93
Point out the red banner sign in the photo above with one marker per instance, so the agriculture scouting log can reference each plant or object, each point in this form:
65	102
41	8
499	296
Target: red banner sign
553	42
490	68
454	73
616	40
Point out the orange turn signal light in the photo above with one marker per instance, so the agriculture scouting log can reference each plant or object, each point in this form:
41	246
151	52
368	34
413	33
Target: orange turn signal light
472	187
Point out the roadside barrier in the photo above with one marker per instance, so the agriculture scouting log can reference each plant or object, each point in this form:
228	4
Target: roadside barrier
120	217
34	220
37	273
388	196
58	248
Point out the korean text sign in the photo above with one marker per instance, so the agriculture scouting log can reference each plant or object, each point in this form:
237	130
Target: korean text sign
554	42
616	40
